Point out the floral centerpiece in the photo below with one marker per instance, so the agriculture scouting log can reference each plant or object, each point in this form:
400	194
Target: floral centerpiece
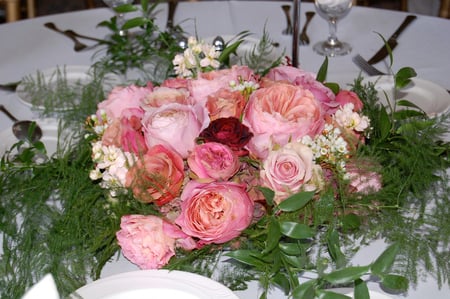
272	170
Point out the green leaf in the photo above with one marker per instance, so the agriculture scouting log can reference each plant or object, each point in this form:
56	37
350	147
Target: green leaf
384	262
305	290
361	290
405	114
322	73
249	257
296	201
291	248
144	5
346	275
268	195
273	235
296	230
403	77
125	8
282	282
335	88
385	124
334	249
395	282
331	295
134	22
295	261
351	222
391	58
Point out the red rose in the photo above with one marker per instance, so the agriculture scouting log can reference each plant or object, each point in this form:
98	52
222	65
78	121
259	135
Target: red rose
229	131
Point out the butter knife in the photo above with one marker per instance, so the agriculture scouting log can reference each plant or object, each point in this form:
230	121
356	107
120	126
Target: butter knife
392	41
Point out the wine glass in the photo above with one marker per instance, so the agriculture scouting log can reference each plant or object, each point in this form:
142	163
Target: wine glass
332	11
120	16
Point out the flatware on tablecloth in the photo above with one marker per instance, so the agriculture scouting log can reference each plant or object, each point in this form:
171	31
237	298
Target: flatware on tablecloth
78	46
304	38
392	41
287	13
10	86
365	66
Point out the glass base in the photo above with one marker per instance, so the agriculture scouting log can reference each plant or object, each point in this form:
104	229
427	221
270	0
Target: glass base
338	49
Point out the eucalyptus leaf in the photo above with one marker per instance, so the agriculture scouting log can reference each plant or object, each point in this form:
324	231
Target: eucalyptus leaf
395	282
346	275
296	201
305	290
384	262
296	230
361	290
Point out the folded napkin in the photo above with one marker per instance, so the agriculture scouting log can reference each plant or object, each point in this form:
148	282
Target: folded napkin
45	288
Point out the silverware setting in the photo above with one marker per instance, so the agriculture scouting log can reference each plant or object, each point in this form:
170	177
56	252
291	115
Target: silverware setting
78	45
10	86
287	12
392	41
21	128
365	66
304	38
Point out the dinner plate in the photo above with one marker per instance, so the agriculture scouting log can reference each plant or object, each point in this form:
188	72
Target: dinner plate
430	97
60	80
49	128
155	284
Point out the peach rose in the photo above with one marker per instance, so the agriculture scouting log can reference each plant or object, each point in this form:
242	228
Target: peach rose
175	126
287	170
225	103
279	114
308	81
149	241
213	161
157	176
215	212
165	95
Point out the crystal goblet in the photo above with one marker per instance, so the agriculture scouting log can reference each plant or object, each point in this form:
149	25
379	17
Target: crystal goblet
120	16
332	11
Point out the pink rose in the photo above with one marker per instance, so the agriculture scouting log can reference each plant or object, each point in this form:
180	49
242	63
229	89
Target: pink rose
208	83
308	81
213	161
157	176
214	212
279	114
287	169
225	103
346	96
123	98
175	83
363	177
175	126
144	242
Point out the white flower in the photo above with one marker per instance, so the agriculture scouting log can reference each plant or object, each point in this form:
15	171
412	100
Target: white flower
349	119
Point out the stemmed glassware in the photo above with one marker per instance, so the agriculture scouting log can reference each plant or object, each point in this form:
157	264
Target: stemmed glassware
332	11
120	16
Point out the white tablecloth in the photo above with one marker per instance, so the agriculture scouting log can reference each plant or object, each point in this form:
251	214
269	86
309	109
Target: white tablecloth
27	46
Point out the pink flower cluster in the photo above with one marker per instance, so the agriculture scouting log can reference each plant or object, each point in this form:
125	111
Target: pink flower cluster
188	144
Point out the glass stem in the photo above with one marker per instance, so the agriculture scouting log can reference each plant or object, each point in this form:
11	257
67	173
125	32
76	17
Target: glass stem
332	38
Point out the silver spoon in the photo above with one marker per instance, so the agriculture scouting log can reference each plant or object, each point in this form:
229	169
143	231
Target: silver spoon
21	128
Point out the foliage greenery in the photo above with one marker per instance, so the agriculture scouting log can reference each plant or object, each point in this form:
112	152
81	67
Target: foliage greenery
55	219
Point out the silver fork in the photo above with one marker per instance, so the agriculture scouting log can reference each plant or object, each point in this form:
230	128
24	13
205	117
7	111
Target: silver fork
366	67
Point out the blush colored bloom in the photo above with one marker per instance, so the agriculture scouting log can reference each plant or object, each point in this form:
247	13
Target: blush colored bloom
144	242
229	131
363	177
213	161
307	81
279	114
347	96
157	176
123	98
215	212
165	95
175	126
287	169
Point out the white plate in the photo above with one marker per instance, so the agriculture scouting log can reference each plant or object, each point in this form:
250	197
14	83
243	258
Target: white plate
49	128
430	97
155	284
